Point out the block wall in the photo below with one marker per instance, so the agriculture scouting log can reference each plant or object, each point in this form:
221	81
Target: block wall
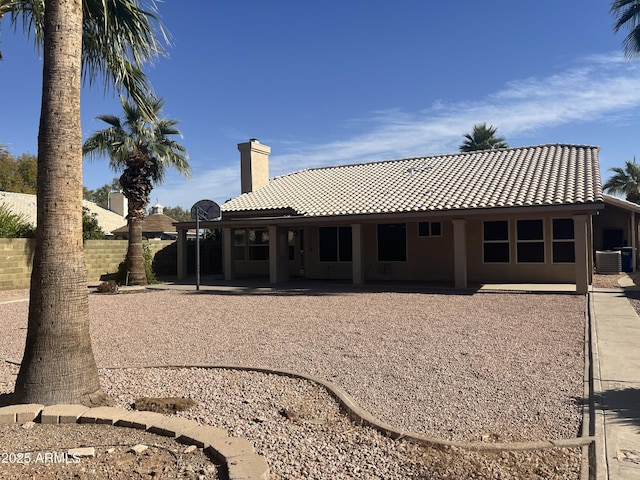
102	257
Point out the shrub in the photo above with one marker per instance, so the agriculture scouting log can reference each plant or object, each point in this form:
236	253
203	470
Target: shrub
121	275
108	287
13	225
91	229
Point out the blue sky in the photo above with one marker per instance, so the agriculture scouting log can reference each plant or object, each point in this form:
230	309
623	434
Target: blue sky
347	81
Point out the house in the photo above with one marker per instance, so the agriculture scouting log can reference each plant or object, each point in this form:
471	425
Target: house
157	226
26	205
515	215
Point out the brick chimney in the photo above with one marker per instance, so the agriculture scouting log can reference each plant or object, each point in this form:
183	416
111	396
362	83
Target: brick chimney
254	165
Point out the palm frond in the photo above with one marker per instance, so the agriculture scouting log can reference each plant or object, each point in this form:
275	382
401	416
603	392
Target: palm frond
119	38
627	14
139	147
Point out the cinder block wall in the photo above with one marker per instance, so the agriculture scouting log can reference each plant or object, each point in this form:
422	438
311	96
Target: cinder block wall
102	257
16	257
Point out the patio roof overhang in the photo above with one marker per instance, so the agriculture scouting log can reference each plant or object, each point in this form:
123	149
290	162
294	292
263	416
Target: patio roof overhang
263	219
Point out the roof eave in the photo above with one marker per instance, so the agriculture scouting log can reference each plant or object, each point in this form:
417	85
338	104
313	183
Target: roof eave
621	203
261	221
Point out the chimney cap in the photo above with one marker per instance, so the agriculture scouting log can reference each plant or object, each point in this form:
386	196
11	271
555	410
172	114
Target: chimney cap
254	140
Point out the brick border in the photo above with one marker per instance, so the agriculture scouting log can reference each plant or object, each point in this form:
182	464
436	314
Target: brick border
237	454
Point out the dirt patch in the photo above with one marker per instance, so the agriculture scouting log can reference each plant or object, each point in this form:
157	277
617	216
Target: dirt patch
48	452
167	406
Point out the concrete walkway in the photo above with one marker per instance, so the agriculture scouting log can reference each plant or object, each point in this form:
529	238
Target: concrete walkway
616	375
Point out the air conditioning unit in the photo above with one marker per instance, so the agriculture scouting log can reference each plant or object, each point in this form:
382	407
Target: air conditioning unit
608	262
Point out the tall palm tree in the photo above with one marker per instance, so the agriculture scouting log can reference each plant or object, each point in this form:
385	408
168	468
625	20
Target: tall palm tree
625	181
142	149
482	138
627	14
58	365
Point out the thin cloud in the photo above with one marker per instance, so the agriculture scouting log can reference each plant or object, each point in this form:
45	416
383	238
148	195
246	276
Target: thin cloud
601	87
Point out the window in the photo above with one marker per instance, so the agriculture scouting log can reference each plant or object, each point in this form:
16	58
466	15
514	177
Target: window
495	236
392	242
239	243
563	241
335	244
530	241
259	244
429	229
291	240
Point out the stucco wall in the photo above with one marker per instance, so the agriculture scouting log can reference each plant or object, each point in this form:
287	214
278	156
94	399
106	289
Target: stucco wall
102	257
547	272
429	258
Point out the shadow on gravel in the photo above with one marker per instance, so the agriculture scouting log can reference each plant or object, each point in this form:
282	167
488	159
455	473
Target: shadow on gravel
632	294
315	288
325	291
6	399
269	292
624	402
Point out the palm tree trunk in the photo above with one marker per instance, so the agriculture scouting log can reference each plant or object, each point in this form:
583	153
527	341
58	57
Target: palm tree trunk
135	253
633	197
58	365
136	185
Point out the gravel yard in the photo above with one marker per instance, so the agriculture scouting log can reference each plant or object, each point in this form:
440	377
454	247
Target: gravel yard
454	366
504	367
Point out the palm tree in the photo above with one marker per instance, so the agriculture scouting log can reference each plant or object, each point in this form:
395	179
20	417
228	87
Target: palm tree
625	181
627	14
58	365
482	138
142	149
118	37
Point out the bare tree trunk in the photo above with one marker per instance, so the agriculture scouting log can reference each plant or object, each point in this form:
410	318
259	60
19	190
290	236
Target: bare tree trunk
135	253
58	365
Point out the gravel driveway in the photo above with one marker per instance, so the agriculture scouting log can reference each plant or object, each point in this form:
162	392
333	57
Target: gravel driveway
455	366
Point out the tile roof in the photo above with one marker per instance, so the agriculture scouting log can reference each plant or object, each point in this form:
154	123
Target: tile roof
541	175
154	223
26	205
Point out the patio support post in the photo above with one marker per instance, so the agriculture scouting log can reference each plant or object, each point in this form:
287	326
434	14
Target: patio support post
182	255
460	252
278	254
227	253
582	253
590	248
633	241
356	248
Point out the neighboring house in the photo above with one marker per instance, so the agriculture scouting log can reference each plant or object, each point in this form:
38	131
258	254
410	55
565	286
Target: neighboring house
26	205
516	215
156	226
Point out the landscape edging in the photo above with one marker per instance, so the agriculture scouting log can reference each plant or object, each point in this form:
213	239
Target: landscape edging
240	464
364	417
